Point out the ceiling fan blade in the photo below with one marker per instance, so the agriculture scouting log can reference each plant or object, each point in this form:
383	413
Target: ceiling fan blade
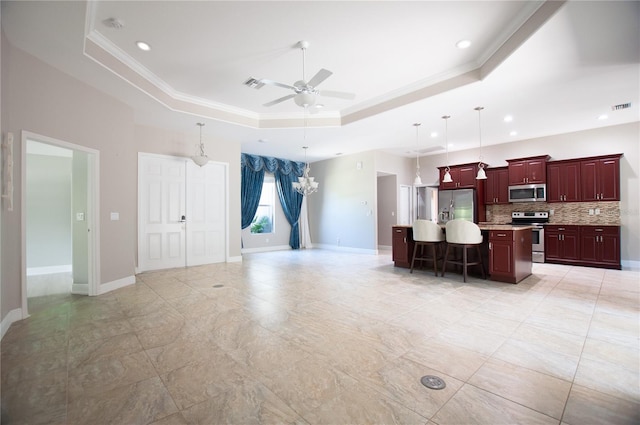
275	83
282	99
338	94
322	75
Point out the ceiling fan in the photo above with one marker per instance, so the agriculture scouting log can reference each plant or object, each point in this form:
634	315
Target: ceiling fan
304	92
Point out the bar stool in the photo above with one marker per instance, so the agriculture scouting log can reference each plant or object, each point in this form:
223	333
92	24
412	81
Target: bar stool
426	234
463	234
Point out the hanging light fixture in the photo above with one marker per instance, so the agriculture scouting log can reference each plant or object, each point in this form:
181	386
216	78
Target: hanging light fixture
200	158
305	185
481	174
447	175
417	181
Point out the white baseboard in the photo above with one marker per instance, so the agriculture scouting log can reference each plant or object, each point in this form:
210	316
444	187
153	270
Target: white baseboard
265	249
80	288
35	271
347	249
116	284
12	316
630	265
237	259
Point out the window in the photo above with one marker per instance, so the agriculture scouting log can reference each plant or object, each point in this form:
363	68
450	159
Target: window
263	220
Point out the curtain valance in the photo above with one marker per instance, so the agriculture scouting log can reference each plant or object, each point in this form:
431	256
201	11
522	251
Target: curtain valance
270	164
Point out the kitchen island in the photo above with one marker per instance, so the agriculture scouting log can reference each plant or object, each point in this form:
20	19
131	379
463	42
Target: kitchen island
506	250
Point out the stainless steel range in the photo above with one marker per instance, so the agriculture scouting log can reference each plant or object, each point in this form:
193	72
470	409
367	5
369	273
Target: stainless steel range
537	219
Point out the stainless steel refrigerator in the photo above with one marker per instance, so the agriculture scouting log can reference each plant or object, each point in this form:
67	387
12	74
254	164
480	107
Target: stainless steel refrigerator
459	203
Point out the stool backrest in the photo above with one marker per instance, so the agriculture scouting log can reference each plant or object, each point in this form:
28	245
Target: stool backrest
427	231
463	232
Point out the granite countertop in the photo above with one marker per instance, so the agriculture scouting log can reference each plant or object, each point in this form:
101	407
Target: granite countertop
486	226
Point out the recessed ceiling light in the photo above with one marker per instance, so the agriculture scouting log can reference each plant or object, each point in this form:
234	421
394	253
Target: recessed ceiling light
434	134
513	133
143	46
114	23
463	44
508	118
603	117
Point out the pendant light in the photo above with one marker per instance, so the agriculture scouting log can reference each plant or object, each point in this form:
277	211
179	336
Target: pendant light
447	175
417	181
200	158
481	174
305	185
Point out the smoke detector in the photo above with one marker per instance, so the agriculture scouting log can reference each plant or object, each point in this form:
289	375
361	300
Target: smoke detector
114	23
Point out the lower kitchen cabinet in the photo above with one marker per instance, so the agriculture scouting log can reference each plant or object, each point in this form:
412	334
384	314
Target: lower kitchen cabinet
402	246
592	246
600	246
509	255
562	244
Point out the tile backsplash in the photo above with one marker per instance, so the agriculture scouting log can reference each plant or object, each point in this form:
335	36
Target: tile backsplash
563	212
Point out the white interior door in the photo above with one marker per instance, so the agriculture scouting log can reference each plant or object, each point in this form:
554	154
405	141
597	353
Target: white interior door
161	208
182	212
206	213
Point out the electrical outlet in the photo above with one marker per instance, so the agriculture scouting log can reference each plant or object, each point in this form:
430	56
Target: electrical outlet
597	211
590	211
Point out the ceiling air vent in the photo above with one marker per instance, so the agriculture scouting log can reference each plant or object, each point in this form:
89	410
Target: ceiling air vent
621	106
253	83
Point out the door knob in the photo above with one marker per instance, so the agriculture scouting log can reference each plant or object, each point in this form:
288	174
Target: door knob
183	219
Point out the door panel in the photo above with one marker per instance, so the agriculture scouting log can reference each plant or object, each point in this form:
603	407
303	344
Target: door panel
161	239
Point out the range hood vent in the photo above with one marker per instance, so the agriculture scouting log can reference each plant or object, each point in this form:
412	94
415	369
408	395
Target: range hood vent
621	106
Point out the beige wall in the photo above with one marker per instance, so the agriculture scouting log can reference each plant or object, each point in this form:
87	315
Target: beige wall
40	99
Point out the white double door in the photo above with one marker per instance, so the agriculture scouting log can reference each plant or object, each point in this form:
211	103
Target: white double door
181	212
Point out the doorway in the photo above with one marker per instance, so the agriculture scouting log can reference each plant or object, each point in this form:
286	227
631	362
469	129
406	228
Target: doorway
182	212
59	216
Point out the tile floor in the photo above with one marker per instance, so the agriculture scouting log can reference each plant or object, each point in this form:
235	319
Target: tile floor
321	337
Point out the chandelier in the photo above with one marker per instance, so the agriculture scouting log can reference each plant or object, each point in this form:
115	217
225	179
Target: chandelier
200	158
447	175
305	185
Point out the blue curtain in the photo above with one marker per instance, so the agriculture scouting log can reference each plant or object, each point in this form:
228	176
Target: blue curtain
286	172
291	202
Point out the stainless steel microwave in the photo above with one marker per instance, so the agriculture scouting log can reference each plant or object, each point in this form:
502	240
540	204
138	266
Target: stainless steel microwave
528	193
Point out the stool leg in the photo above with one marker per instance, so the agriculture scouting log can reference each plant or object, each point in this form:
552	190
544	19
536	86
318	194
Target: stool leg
435	259
444	263
484	275
413	260
464	263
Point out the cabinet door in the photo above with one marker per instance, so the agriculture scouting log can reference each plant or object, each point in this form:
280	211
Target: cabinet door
501	260
536	171
467	176
609	179
489	194
589	180
501	190
610	244
517	173
555	183
551	243
399	245
589	242
571	176
571	243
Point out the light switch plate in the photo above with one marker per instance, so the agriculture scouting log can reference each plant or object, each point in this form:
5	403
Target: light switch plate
79	216
115	216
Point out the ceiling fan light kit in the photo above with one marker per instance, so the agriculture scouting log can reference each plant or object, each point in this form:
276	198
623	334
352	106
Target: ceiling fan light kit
304	92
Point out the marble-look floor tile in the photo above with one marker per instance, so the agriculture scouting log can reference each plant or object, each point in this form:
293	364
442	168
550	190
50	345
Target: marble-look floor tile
248	402
477	406
523	386
36	401
608	377
83	352
589	407
140	403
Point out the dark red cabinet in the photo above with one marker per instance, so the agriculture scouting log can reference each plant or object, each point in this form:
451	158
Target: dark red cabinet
497	186
562	244
563	181
510	255
600	178
402	245
463	176
528	170
600	246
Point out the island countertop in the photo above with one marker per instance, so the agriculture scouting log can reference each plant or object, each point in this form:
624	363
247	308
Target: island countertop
486	226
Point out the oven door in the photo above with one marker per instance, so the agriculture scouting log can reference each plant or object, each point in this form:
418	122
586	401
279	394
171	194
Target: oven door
537	241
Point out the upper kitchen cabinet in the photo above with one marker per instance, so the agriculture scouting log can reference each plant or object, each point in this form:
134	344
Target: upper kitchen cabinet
563	181
528	170
600	178
463	176
497	186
